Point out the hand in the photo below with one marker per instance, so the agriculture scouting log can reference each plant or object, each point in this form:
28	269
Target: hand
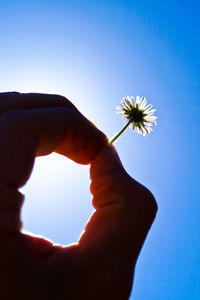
101	264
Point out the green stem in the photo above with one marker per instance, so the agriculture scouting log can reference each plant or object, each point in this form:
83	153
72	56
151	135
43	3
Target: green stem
121	131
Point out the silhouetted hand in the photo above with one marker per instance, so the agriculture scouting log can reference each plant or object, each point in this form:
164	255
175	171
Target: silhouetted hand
101	264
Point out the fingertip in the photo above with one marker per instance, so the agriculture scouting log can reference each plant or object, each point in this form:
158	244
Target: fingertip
83	141
107	161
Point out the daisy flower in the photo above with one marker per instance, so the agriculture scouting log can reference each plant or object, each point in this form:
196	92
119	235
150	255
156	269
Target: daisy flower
138	114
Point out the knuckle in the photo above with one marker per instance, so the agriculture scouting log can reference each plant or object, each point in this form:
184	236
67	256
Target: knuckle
136	198
9	222
109	182
141	197
150	201
10	115
11	199
146	203
12	119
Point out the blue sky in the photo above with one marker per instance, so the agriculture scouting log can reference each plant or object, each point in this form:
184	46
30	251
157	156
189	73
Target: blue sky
94	53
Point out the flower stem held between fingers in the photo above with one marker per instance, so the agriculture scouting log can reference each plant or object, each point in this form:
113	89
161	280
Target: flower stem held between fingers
120	132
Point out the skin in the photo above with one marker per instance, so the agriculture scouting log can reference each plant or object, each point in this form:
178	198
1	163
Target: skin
101	264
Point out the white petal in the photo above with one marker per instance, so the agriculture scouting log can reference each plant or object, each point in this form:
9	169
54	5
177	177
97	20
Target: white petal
120	112
122	101
143	103
145	129
137	100
148	107
142	131
121	105
149	129
151	123
151	112
124	105
132	101
151	118
133	126
140	102
127	103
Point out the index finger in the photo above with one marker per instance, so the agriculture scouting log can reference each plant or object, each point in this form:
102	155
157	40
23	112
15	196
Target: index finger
15	100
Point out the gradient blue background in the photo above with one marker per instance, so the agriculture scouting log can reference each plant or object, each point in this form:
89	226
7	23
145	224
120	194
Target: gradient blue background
96	52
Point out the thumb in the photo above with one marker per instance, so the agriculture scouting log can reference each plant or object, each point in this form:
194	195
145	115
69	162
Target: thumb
108	242
108	177
107	161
